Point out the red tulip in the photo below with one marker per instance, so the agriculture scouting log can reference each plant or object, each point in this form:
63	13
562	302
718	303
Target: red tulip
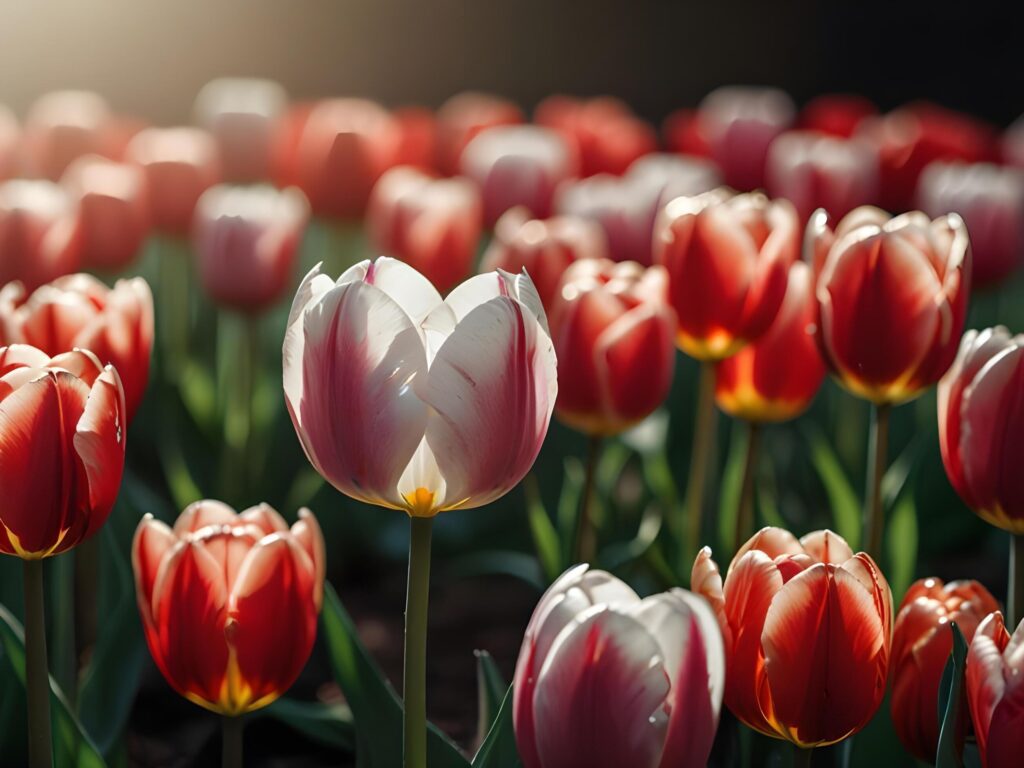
981	415
78	311
739	124
39	233
462	117
113	214
242	115
433	225
284	150
179	165
892	298
517	165
990	199
836	114
776	377
995	686
229	602
727	259
681	132
62	126
613	332
815	171
246	241
62	423
807	626
605	678
10	144
418	145
921	645
543	247
910	138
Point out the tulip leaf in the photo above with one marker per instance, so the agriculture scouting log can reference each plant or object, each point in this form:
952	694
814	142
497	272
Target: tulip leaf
499	748
951	704
569	506
199	396
767	495
732	479
901	543
376	708
545	537
490	692
846	507
327	724
72	746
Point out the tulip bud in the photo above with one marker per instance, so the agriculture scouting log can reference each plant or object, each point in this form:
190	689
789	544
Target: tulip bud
814	171
517	165
39	233
62	422
613	332
543	247
465	115
990	200
981	413
739	124
836	114
246	241
995	669
921	644
807	627
229	602
433	225
79	312
113	215
727	257
605	678
776	377
10	144
443	406
242	115
892	298
62	126
179	165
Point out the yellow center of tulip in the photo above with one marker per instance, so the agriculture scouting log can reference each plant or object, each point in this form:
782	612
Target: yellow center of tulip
420	503
24	554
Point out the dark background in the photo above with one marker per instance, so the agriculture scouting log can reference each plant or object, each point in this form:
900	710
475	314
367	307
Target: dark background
150	57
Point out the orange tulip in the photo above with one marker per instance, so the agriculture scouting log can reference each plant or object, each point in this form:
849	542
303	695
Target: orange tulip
229	602
995	688
807	627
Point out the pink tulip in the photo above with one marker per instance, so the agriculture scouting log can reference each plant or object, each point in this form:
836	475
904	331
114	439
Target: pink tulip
246	241
39	239
412	402
995	687
607	679
62	126
433	225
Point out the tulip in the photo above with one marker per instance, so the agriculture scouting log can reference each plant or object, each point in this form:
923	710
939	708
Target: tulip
10	143
922	642
517	165
605	678
543	247
242	116
739	124
179	165
995	676
39	233
418	144
815	171
433	225
990	199
62	126
78	311
465	115
113	214
284	150
836	114
246	241
807	628
681	132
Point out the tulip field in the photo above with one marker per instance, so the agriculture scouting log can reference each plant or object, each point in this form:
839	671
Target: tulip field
342	434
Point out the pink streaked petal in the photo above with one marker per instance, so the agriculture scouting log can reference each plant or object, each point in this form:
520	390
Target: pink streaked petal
826	547
408	288
774	542
15	356
200	514
309	536
264	517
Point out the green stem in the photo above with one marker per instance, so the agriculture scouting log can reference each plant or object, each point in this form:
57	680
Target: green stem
703	446
63	659
86	589
802	756
1015	594
173	307
231	741
745	512
415	689
37	678
874	522
586	541
241	335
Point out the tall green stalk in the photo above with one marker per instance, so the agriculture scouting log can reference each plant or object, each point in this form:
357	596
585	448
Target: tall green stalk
415	683
745	512
231	741
700	456
586	540
874	514
37	678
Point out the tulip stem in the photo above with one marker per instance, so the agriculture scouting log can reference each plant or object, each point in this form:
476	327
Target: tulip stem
231	741
745	512
1015	594
802	756
586	541
415	688
874	522
240	336
37	678
172	307
703	446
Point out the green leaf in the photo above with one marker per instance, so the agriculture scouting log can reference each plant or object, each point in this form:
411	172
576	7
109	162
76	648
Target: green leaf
199	396
767	495
951	699
545	537
901	542
569	506
499	748
327	724
376	708
71	744
896	477
613	460
732	480
846	507
490	691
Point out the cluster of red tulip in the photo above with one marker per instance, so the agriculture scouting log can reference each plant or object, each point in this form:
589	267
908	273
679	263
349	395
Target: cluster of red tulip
415	385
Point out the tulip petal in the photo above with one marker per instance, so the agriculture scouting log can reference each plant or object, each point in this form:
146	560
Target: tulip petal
200	514
308	535
826	547
15	356
985	679
264	517
153	540
408	288
100	443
